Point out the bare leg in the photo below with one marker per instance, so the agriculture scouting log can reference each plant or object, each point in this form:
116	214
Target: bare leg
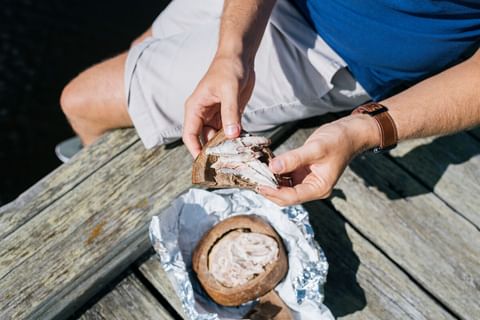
94	102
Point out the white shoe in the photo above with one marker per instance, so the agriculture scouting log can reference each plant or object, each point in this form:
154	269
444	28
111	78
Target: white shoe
65	150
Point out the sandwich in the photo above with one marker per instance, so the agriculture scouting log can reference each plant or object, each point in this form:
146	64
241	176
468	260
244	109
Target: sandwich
241	162
240	259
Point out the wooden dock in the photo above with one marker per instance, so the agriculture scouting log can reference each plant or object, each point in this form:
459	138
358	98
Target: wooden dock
400	232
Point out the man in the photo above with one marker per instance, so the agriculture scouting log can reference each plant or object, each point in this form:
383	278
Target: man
254	64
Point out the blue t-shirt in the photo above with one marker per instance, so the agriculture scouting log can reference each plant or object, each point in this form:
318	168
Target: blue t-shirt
390	45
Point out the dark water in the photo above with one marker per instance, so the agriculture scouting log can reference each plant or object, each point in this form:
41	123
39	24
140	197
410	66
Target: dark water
43	44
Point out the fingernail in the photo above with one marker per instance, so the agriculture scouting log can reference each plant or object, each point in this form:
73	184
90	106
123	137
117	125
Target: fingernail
232	130
276	165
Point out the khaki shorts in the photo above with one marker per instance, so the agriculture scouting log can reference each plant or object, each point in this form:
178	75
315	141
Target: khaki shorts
297	74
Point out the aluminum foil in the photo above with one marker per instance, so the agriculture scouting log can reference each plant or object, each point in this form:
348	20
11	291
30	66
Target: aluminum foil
175	232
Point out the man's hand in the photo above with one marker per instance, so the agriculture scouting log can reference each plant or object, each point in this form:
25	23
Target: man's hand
220	98
442	104
316	166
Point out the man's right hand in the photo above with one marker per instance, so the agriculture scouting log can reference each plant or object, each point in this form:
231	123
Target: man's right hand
221	96
218	101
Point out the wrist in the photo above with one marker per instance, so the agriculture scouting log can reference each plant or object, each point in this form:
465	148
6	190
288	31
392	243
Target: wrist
387	128
236	56
232	64
362	132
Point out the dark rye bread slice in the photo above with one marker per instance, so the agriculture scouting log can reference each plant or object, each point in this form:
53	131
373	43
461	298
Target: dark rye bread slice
204	175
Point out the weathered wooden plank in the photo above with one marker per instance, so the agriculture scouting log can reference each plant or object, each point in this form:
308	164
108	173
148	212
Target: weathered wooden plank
128	300
432	243
450	166
89	234
107	212
153	271
63	179
362	283
64	301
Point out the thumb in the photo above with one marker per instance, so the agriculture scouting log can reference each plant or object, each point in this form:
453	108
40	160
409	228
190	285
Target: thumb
294	159
230	113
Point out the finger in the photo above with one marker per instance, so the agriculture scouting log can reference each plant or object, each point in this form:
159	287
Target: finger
208	133
294	159
192	127
289	196
230	112
192	142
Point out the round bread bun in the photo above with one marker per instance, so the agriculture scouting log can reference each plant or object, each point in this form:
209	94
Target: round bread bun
254	288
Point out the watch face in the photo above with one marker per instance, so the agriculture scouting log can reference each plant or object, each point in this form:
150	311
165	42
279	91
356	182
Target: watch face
386	125
374	108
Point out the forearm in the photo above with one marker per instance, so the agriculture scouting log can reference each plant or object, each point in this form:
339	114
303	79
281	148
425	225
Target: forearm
242	26
443	104
221	95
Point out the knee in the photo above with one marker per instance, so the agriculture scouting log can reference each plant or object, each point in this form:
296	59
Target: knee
136	41
72	100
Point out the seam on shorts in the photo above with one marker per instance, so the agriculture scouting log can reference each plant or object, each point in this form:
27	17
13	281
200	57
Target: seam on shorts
147	112
157	135
151	41
137	58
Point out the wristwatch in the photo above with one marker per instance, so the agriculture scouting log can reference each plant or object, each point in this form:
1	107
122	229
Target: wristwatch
385	124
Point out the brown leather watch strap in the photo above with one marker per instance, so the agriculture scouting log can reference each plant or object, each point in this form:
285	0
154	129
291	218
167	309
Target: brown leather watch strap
386	126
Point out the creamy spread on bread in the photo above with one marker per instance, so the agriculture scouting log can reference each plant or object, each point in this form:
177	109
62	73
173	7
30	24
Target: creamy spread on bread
240	256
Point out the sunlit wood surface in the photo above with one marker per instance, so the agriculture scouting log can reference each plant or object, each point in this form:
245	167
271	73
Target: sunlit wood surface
401	232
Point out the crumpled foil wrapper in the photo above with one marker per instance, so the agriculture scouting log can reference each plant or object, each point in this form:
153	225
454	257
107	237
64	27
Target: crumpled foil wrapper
176	231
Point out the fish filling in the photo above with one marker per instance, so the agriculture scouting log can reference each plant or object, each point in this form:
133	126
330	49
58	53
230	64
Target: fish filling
240	256
242	157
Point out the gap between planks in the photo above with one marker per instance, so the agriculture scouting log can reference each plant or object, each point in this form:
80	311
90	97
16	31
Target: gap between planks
439	174
75	261
147	267
64	179
441	251
361	284
130	299
449	166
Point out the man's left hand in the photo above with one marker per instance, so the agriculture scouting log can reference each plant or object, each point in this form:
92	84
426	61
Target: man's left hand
317	165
